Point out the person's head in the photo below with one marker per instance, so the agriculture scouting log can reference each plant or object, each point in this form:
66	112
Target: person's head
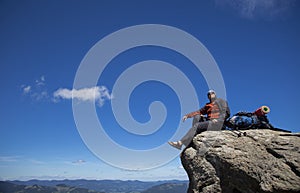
211	94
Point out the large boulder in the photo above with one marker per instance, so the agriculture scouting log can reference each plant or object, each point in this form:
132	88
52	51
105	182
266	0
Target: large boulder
260	162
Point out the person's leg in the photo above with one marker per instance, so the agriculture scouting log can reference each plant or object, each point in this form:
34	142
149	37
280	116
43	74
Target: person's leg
197	128
196	120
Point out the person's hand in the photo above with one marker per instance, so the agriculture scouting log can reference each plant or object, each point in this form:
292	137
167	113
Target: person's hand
214	121
184	118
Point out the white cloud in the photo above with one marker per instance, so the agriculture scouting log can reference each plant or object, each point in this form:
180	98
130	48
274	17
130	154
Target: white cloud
26	89
39	95
97	93
258	8
36	91
40	81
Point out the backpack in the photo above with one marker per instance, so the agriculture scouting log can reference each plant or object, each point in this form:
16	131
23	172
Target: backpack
246	120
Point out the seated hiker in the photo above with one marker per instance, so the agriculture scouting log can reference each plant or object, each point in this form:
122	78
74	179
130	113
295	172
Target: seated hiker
216	110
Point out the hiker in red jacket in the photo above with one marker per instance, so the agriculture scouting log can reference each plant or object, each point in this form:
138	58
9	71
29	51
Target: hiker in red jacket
216	112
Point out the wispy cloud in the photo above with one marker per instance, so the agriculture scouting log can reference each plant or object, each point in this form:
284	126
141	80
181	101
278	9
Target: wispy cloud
258	8
41	81
75	162
34	161
37	91
98	93
9	158
20	159
79	162
26	89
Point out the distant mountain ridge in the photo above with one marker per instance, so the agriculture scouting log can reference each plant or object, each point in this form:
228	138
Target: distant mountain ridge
109	186
7	187
168	188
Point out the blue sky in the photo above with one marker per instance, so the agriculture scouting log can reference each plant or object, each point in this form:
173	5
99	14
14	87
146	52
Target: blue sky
255	44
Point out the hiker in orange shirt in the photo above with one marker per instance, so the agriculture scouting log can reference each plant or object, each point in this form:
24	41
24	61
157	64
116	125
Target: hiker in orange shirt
216	112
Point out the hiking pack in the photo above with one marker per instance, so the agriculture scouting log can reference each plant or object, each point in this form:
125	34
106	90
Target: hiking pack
251	120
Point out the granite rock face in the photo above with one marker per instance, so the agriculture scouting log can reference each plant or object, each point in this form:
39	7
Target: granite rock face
260	162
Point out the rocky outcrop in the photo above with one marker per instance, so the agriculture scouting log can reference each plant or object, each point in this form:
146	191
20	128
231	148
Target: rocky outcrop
260	162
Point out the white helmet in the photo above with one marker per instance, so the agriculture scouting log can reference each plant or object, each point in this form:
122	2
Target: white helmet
210	92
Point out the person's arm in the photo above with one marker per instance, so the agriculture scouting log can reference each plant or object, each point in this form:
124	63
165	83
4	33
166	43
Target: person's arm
201	111
192	114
